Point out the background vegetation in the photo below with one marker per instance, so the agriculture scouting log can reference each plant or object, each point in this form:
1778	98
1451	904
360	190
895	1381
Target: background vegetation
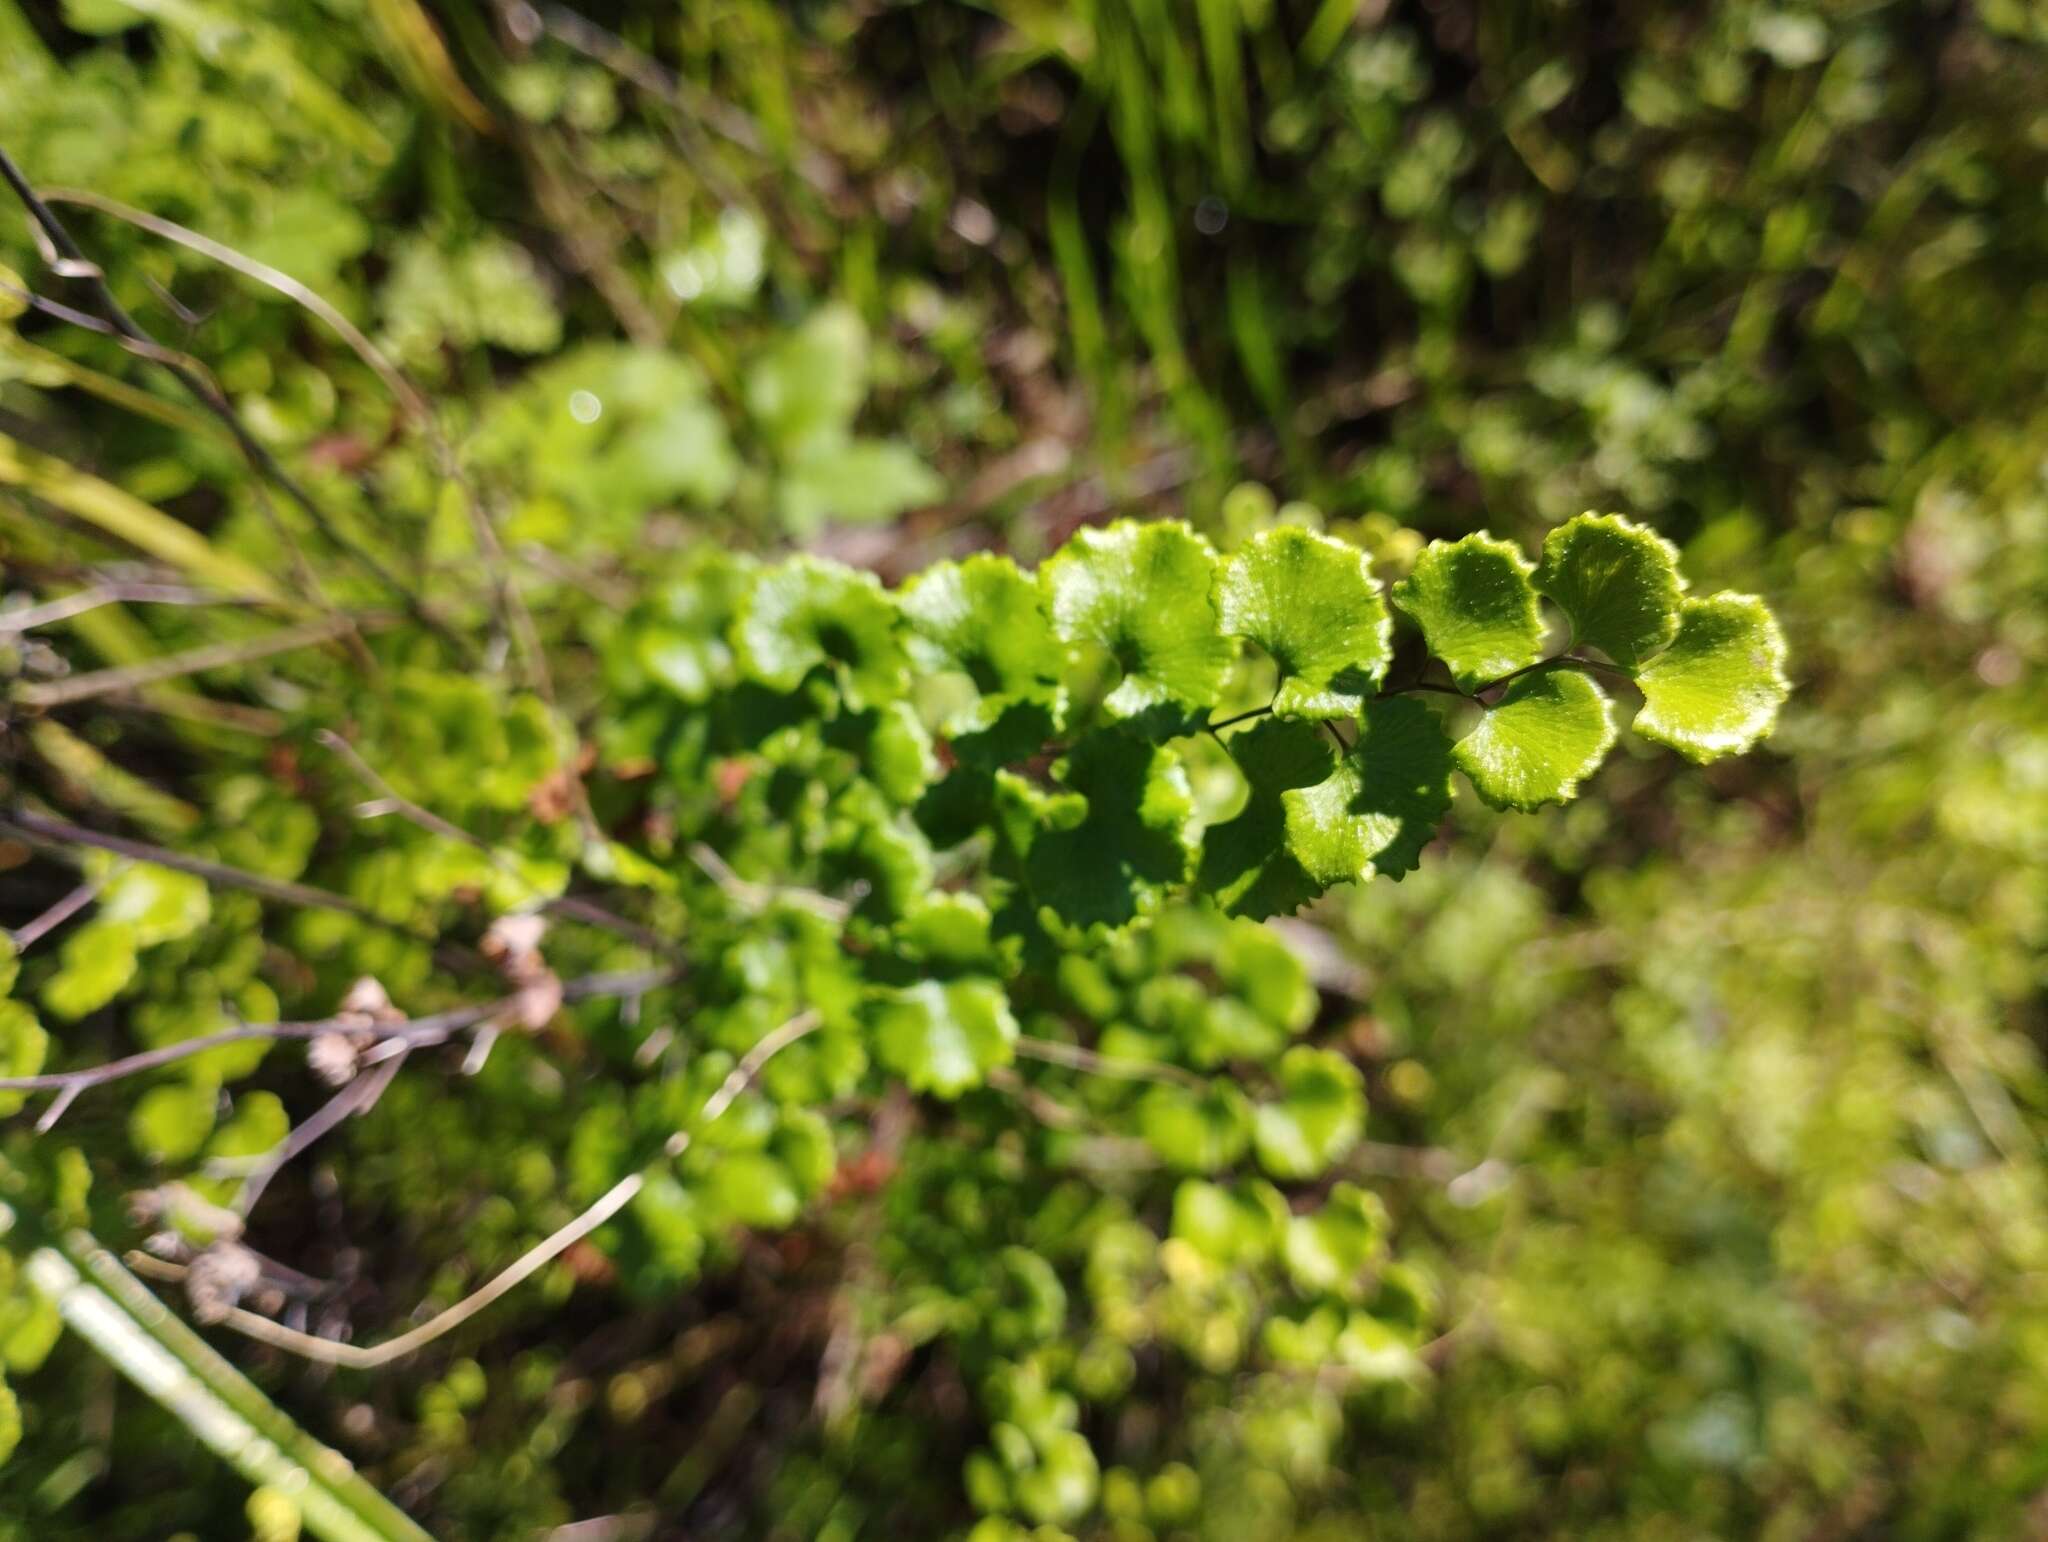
1705	1113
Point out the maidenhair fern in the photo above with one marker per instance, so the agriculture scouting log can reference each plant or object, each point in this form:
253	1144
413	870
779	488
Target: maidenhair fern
957	837
1080	799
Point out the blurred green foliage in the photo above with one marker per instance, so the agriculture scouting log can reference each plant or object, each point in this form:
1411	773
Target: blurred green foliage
1678	1150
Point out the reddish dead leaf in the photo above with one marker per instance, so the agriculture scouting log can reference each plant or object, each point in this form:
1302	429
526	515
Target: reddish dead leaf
589	1265
553	798
730	776
343	452
864	1174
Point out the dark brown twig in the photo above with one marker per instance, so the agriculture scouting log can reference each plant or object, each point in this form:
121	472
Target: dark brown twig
31	932
357	1097
72	263
41	830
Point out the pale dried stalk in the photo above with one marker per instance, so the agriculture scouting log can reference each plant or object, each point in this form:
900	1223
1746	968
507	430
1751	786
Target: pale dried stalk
126	677
610	1203
413	1033
1075	1058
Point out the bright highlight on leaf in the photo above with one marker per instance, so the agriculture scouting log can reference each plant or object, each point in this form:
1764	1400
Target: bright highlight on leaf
1240	1225
1327	1251
1476	607
1383	803
1142	593
944	1039
1717	689
1549	730
1310	603
809	612
1617	582
170	1123
863	481
804	389
985	619
1319	1116
1196	1132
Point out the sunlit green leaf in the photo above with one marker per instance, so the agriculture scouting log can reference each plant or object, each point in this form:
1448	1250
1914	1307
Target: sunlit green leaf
1549	731
1238	1225
487	289
97	960
610	431
1319	1115
1063	1484
1717	689
1197	1132
1476	607
874	854
805	387
259	1125
1131	842
1246	861
677	638
24	1045
29	1329
1327	1250
1381	805
160	904
1141	592
1310	603
944	1038
809	613
860	481
170	1123
985	619
752	1188
1617	583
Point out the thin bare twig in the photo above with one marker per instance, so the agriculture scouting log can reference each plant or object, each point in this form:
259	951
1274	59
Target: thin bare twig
142	348
397	802
756	896
408	394
357	1097
41	830
414	1033
568	907
55	1111
77	603
1075	1058
742	1075
26	936
414	404
72	263
221	655
192	707
535	1258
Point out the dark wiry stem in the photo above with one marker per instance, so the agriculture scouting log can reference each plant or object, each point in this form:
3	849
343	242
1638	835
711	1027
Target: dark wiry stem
72	263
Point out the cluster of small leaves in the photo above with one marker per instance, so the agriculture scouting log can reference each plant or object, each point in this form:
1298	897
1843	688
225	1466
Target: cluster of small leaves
1658	1356
592	440
1064	693
909	810
29	1324
959	820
